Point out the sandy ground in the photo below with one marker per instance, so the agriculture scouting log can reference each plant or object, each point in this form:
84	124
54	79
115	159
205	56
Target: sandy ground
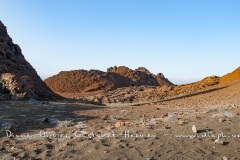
148	131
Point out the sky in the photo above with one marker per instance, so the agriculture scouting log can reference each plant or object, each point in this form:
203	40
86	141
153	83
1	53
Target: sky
186	40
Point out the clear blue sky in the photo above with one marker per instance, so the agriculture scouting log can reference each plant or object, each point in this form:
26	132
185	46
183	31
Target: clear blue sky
186	40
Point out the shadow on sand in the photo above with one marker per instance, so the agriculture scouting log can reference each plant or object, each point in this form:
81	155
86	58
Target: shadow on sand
25	116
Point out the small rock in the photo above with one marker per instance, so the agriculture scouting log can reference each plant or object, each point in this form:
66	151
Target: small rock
18	158
221	120
181	122
180	113
110	127
149	158
194	129
205	111
106	151
105	117
2	148
167	127
218	141
119	124
84	133
116	118
225	158
164	115
46	120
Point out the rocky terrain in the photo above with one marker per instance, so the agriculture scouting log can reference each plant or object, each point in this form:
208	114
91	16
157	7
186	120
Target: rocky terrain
134	115
120	90
201	126
94	81
150	94
18	79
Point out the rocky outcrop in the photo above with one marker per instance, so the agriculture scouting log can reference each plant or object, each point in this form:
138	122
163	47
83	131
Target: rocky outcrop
140	76
18	79
81	81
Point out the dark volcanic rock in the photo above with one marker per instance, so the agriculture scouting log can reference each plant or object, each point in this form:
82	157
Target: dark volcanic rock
18	79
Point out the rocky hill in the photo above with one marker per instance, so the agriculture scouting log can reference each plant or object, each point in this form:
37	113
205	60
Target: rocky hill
231	77
18	79
82	81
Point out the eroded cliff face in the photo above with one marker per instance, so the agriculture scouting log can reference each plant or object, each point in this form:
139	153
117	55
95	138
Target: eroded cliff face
18	79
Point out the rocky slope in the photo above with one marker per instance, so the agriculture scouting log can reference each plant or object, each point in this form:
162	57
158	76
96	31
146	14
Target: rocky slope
149	94
231	77
82	81
136	94
18	79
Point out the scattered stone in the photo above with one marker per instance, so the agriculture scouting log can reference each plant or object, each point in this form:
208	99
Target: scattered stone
46	120
225	158
205	111
194	129
155	119
181	122
164	115
18	158
167	127
222	120
116	118
106	151
180	113
84	133
2	148
110	127
119	124
105	117
218	141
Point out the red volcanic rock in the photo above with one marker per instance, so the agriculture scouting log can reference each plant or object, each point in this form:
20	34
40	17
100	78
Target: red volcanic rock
231	77
82	81
18	79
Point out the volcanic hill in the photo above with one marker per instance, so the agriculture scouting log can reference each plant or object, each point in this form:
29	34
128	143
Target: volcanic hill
18	79
231	77
82	81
